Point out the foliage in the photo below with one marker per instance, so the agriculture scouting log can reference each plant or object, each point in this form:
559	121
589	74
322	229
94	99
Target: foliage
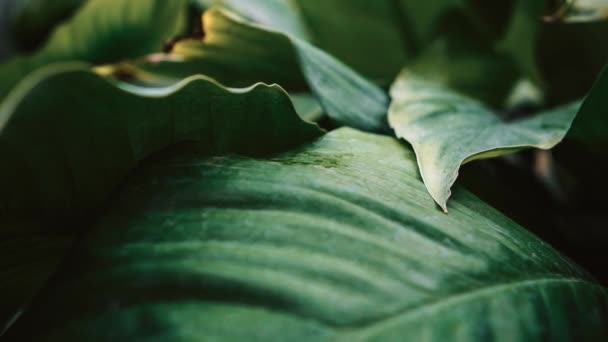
179	170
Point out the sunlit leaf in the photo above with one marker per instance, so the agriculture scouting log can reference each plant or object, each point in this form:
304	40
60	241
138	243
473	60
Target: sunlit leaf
28	23
447	129
574	11
235	52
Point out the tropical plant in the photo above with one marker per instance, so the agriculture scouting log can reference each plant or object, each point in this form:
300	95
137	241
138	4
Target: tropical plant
303	170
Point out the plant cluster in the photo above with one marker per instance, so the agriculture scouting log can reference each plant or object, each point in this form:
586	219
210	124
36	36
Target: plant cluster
286	170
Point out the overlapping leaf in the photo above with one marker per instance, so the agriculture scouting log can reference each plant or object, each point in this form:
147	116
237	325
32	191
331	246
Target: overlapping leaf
102	31
367	35
236	52
573	11
447	130
68	137
336	240
28	23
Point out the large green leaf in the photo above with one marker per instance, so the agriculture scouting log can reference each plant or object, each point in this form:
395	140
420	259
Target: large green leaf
447	129
68	137
103	31
236	52
63	125
336	240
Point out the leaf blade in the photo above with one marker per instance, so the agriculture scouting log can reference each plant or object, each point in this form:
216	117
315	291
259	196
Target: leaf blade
447	130
260	239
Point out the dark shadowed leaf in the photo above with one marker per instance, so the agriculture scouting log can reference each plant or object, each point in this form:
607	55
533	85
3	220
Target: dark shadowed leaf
70	137
574	11
28	23
236	52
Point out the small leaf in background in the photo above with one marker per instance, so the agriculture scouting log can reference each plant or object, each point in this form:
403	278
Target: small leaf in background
238	53
363	34
574	11
521	37
461	58
447	129
26	24
591	124
282	15
334	241
102	31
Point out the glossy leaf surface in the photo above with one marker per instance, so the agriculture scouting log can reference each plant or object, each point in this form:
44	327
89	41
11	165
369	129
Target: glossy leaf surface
336	240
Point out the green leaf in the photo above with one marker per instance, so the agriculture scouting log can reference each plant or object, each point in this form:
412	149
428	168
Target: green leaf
333	241
28	23
63	125
282	15
29	257
238	53
591	124
307	106
103	31
366	35
520	40
447	129
70	137
462	58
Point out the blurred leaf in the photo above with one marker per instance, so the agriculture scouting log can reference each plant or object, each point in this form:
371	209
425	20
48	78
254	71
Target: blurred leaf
591	124
421	17
447	129
332	241
520	40
29	257
366	34
307	106
102	31
34	20
238	53
461	58
571	56
26	24
573	11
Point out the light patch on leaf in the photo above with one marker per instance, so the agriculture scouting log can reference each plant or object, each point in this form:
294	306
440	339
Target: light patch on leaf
447	129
